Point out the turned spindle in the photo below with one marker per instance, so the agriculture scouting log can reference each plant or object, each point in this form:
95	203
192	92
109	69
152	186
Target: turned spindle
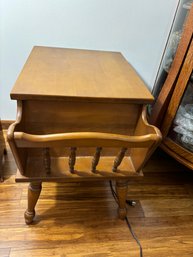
72	159
119	159
96	158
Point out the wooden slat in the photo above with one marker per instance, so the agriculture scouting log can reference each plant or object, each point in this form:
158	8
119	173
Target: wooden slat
119	159
64	169
96	158
83	139
72	159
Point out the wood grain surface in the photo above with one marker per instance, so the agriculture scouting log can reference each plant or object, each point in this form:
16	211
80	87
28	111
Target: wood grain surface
51	73
80	219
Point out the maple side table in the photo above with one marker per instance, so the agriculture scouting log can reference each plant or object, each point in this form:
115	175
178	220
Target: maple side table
81	116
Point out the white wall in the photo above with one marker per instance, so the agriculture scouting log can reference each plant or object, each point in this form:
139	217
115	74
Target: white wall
136	28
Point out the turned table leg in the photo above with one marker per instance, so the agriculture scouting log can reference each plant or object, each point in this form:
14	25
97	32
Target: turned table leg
121	189
34	191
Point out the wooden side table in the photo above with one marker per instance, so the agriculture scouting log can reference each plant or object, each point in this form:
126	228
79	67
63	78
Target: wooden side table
81	116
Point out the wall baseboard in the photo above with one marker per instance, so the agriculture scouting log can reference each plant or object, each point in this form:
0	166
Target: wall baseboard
6	123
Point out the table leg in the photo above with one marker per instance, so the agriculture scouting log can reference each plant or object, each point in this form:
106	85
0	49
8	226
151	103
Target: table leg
34	191
121	189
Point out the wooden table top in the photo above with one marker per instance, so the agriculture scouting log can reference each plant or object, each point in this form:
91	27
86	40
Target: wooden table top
60	73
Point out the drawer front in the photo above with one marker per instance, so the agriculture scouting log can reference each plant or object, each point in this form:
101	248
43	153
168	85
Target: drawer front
43	117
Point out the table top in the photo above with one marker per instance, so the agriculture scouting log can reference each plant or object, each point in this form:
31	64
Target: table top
59	73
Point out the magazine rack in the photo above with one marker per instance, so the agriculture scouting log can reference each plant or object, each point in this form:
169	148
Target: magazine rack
81	116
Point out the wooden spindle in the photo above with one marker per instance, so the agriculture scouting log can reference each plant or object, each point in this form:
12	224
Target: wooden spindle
119	159
47	160
96	158
72	159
